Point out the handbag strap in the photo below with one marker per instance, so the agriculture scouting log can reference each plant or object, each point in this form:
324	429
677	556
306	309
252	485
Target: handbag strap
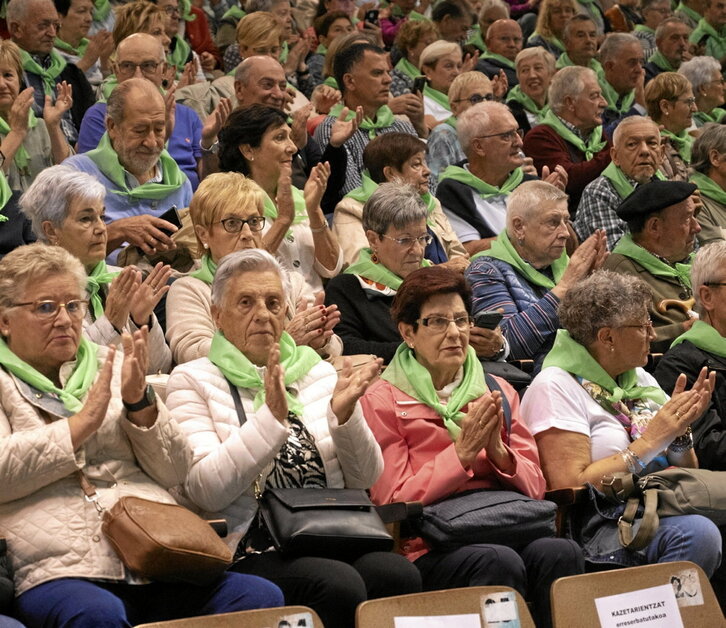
648	525
89	491
493	384
241	414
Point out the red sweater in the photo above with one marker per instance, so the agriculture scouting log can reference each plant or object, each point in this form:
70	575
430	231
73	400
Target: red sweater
200	37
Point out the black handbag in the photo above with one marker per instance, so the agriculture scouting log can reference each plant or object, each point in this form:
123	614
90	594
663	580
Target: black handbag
339	523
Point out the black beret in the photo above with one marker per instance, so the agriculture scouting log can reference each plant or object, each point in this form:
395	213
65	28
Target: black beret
652	197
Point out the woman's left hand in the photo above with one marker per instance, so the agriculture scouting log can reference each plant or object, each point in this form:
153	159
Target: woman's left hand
136	362
149	293
315	187
52	113
299	128
350	387
313	325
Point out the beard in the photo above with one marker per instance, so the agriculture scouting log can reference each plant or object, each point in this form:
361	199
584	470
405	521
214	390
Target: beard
135	162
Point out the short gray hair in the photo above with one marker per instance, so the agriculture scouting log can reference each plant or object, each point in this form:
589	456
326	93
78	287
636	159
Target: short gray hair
604	299
50	195
707	265
490	4
699	70
536	51
434	52
524	201
247	261
613	43
567	82
626	123
660	30
713	137
261	5
116	103
34	262
18	10
393	205
573	22
475	120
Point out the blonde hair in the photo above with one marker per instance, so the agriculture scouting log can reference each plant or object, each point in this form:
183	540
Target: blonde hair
537	51
665	86
433	52
219	193
135	17
467	79
544	21
10	56
258	27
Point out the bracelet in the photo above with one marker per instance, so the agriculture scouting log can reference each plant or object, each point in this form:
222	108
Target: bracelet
632	461
212	150
319	229
683	443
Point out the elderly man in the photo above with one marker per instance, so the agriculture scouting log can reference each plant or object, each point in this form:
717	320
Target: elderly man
671	40
580	40
571	131
364	80
636	155
623	78
142	56
711	30
661	217
141	178
33	26
690	11
503	41
490	12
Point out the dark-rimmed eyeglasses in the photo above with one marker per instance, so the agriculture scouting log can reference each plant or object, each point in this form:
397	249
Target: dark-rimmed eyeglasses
507	136
715	283
235	225
49	309
441	323
129	67
475	99
647	326
407	243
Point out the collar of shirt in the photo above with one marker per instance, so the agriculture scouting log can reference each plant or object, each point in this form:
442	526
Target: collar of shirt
133	182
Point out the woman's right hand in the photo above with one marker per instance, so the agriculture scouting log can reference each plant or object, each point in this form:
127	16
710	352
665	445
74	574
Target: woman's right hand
120	297
283	200
18	114
480	428
588	257
275	386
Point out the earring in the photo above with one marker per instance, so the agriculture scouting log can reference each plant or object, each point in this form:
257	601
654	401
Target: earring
410	345
206	246
374	257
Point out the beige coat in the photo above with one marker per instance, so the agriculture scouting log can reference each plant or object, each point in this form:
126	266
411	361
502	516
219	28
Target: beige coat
52	531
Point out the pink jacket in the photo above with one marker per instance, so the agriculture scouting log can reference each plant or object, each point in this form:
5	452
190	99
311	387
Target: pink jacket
420	461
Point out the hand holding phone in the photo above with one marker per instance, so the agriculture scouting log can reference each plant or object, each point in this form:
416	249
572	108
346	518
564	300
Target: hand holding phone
488	320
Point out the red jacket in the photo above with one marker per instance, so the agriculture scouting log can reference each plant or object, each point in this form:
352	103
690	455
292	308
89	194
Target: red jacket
200	37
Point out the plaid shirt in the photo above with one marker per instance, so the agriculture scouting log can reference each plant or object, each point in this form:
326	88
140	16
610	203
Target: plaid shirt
597	211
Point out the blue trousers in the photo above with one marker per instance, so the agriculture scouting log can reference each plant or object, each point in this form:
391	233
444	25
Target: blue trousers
79	603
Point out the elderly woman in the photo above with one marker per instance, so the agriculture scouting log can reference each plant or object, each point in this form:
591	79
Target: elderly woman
400	158
395	223
451	438
66	208
66	405
300	427
526	272
256	141
670	103
704	75
27	143
140	17
551	20
594	412
226	213
411	41
704	345
528	100
441	63
707	155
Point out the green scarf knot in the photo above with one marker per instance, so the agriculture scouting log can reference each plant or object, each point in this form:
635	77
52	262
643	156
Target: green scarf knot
709	188
98	277
206	271
179	55
364	266
612	97
101	9
404	66
679	271
485	191
516	94
682	142
57	65
437	96
384	119
705	338
594	144
66	47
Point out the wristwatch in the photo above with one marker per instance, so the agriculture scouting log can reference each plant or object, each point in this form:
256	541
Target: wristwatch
147	400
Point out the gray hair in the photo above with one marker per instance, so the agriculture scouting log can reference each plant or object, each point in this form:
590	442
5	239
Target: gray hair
613	43
116	103
490	4
574	21
699	70
525	200
247	261
713	137
261	5
660	30
434	52
568	82
393	205
536	51
604	299
475	120
626	123
18	10
50	195
706	267
34	262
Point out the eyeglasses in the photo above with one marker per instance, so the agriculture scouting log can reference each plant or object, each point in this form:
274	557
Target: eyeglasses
172	10
235	225
48	310
475	99
720	81
647	326
129	67
271	51
441	323
507	136
407	243
715	283
686	101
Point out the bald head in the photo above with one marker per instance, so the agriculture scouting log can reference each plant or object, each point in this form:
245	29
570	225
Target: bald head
140	56
504	37
260	81
130	91
33	25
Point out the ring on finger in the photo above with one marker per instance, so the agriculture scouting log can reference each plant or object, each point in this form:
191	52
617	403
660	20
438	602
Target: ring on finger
678	414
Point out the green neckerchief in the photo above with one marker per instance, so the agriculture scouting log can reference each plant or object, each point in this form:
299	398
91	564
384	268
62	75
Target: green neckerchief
503	60
679	271
502	249
705	338
101	10
475	39
414	16
375	271
5	194
363	192
331	82
57	65
21	158
179	55
411	377
694	15
186	11
642	28
321	50
609	94
519	96
451	121
298	199
658	59
236	367
709	188
384	119
716	115
564	61
485	191
98	277
234	13
620	180
66	47
109	84
404	66
555	41
682	143
78	383
571	356
206	271
284	51
705	28
595	143
105	157
437	96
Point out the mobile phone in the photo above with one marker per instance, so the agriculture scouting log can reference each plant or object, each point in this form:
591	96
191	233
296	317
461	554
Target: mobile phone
371	17
418	85
488	320
171	215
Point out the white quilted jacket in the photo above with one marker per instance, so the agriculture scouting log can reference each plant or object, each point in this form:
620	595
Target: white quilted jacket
229	458
52	531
